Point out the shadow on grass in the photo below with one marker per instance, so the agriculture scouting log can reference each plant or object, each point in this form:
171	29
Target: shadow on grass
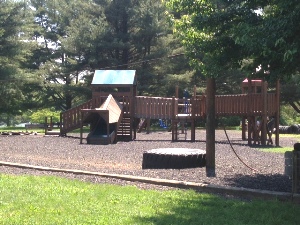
272	182
204	209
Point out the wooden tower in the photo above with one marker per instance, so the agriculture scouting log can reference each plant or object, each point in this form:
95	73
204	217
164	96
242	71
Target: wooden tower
121	84
258	122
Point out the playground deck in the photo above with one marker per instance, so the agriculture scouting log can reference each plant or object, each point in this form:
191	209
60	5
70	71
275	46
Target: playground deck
190	110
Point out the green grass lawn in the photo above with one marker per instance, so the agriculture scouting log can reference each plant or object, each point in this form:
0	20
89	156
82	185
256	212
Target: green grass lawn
279	149
275	149
52	200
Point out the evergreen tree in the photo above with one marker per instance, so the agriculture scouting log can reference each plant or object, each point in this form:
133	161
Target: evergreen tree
133	39
121	35
13	56
59	67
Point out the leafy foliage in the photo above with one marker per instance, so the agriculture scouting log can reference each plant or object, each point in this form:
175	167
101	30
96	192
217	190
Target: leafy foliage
50	49
14	51
220	35
39	116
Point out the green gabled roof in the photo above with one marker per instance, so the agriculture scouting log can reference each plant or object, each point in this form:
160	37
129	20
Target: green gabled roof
114	77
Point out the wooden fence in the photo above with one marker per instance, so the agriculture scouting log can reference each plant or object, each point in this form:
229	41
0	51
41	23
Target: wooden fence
226	105
155	107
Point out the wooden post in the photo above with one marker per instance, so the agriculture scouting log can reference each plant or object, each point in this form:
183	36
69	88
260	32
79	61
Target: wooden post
148	125
210	127
193	127
51	123
264	114
61	123
107	127
250	123
46	124
173	124
277	112
296	166
176	91
134	127
244	128
81	125
131	113
134	111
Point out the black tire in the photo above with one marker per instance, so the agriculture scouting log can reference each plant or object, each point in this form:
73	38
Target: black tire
166	159
294	129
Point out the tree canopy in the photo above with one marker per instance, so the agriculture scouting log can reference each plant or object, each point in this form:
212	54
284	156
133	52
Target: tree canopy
50	49
14	50
222	34
82	36
260	38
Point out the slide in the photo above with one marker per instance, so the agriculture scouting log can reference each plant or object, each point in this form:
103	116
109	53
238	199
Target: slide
104	122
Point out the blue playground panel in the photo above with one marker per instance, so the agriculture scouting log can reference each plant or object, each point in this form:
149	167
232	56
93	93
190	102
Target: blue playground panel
114	77
162	124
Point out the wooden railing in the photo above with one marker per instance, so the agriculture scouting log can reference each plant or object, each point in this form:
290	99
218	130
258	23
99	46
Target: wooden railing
198	106
245	105
167	108
271	104
226	105
154	107
71	119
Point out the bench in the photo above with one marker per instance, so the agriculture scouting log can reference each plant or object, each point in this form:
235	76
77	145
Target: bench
35	126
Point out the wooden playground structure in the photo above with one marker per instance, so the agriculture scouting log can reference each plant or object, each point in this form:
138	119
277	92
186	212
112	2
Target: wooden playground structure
254	105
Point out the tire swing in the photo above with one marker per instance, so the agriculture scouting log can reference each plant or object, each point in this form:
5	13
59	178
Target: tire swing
173	158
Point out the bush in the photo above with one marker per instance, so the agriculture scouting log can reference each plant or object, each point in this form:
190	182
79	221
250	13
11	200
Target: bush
230	121
288	115
39	116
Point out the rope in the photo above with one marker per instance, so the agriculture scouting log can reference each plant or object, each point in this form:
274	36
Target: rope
239	158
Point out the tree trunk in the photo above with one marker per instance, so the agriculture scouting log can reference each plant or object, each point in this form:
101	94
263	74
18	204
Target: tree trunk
210	127
68	95
8	122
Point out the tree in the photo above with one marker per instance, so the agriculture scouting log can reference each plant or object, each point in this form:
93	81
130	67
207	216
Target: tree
221	35
205	28
90	35
13	56
274	41
137	38
58	61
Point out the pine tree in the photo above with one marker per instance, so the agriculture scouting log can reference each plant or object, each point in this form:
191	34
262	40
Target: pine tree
13	54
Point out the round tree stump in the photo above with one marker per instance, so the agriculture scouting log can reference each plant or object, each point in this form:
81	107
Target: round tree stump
173	158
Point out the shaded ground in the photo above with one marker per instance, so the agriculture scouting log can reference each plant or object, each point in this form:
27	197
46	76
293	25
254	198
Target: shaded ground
126	158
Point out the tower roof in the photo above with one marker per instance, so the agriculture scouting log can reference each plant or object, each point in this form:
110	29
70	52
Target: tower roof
114	77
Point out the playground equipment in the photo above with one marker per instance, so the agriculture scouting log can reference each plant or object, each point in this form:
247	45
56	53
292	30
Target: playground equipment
121	84
263	112
104	122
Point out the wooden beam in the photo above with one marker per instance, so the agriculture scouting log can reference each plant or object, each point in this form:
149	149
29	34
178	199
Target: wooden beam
210	128
277	112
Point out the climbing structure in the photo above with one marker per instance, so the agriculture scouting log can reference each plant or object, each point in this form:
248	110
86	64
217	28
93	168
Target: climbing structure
262	116
254	102
121	85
